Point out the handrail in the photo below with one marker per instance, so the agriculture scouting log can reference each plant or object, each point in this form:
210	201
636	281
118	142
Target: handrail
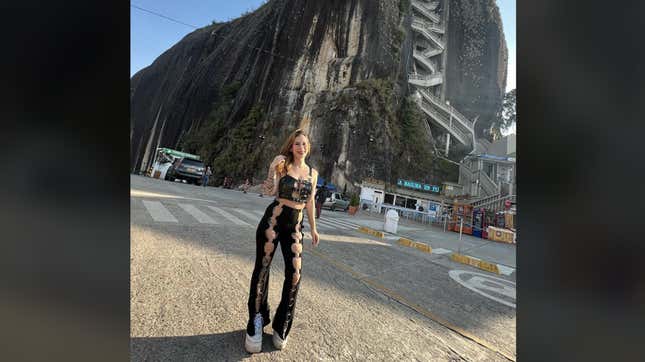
493	188
426	10
465	175
448	108
468	170
497	203
429	25
445	123
432	76
455	126
427	62
432	52
485	200
421	28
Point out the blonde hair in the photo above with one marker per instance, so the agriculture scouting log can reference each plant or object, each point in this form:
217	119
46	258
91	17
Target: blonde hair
285	150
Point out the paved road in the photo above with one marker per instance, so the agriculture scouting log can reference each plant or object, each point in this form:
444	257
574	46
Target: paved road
192	251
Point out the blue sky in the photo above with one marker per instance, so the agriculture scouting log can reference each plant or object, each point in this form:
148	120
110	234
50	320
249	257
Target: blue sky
152	35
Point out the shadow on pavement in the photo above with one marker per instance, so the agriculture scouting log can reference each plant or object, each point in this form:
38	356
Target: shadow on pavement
227	346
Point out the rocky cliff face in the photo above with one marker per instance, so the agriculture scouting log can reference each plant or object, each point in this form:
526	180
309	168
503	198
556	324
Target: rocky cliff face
477	59
231	92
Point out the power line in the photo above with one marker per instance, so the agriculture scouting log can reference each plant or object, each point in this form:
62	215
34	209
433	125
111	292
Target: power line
212	33
163	16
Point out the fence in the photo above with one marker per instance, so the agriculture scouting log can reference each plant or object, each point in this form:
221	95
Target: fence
424	217
441	218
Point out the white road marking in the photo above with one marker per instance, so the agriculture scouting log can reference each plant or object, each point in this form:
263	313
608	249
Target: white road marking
197	214
343	222
331	225
139	193
476	284
481	283
259	213
441	251
505	270
229	216
158	212
248	214
325	227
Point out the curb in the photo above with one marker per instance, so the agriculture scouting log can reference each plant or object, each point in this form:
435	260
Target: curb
495	268
378	234
469	260
415	244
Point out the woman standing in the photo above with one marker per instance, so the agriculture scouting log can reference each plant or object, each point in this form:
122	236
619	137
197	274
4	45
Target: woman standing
291	180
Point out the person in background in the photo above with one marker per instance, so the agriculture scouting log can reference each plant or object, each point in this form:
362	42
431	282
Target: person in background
321	195
246	185
207	174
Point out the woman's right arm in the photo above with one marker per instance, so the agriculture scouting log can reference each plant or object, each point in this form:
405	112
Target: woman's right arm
270	185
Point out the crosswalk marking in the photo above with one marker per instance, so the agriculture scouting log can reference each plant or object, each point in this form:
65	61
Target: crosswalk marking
158	212
342	222
229	216
259	213
247	214
197	214
332	225
322	226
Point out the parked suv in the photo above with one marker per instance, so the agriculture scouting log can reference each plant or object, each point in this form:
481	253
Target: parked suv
186	169
336	201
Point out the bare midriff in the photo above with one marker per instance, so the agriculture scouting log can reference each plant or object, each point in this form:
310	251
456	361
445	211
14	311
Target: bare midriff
292	204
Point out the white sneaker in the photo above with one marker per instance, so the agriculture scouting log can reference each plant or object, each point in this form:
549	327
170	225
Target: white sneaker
278	342
253	344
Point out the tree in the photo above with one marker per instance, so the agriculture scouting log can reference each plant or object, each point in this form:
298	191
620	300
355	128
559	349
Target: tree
508	113
506	116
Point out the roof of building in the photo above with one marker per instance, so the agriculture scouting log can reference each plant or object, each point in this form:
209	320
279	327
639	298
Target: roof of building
500	150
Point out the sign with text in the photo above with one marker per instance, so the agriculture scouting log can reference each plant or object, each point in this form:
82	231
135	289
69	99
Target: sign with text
418	186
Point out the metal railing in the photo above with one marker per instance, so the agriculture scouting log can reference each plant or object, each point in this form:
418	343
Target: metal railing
496	203
438	218
453	127
482	202
432	5
489	185
425	61
421	28
431	79
426	10
432	52
447	108
451	120
444	122
465	177
438	28
423	217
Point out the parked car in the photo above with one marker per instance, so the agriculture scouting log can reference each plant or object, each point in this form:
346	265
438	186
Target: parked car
336	201
186	169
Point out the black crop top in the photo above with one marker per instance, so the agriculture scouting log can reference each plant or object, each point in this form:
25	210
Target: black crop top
293	189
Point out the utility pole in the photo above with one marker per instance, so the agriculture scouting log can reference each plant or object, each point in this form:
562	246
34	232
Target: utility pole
448	134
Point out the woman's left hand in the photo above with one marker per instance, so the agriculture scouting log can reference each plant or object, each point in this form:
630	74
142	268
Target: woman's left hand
314	238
